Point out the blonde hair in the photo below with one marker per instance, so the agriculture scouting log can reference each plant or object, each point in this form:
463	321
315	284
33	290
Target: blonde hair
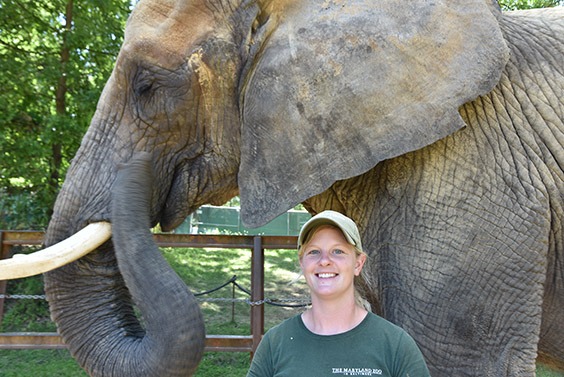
359	298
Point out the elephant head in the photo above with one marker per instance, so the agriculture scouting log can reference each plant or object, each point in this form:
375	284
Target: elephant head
275	100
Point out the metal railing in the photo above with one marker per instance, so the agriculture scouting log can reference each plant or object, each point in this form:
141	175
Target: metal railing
216	343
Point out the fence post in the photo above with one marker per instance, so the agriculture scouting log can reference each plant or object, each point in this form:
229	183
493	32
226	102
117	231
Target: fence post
257	292
4	253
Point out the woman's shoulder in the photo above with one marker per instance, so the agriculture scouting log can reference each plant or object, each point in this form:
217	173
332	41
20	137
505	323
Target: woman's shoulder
288	325
376	323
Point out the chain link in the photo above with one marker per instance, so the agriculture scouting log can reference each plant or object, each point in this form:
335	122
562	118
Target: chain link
219	299
276	302
24	297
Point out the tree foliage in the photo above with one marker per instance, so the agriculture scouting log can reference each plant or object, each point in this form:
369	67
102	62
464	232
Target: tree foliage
528	4
55	57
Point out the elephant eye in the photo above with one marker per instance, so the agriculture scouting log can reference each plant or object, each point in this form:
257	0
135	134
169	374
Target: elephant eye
143	82
143	88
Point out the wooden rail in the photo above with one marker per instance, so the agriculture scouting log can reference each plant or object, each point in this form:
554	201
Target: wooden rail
52	340
216	343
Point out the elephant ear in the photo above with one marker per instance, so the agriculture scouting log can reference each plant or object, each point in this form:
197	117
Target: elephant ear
339	86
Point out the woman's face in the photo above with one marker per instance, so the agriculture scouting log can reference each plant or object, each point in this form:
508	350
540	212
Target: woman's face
329	264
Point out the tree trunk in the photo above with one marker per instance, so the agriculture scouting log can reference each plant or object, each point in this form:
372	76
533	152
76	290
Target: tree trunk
60	98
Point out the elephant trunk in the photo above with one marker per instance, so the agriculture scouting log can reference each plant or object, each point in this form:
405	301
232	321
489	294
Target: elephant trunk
92	300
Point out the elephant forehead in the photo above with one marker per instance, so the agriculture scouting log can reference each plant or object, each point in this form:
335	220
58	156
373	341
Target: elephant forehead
167	30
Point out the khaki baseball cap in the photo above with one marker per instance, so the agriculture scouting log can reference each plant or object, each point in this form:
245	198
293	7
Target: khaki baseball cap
347	226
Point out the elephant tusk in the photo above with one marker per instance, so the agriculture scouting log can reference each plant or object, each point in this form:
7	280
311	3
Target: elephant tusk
66	251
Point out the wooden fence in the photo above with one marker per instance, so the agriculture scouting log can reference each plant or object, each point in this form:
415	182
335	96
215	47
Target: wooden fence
218	343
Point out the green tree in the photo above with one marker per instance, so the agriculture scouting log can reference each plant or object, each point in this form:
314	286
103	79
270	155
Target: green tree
55	56
528	4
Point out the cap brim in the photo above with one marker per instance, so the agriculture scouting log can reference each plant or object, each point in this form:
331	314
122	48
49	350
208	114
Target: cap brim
317	222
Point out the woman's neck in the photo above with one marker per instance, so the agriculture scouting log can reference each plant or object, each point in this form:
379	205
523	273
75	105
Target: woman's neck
333	317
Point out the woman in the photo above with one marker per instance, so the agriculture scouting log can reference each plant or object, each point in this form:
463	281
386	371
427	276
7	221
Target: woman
337	336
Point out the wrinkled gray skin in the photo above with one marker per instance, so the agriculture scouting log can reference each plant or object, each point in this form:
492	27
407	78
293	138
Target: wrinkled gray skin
358	106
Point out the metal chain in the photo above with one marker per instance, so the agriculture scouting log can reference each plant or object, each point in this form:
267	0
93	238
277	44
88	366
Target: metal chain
229	300
28	297
278	302
257	303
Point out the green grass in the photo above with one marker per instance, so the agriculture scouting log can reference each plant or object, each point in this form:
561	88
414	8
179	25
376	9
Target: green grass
202	269
545	371
38	363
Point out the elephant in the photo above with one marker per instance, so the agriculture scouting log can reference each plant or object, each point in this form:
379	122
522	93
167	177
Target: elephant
436	126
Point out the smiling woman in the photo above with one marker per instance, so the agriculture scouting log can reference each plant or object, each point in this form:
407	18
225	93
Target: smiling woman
330	265
310	252
331	258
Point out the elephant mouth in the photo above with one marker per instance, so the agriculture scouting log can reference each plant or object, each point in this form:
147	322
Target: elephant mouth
58	255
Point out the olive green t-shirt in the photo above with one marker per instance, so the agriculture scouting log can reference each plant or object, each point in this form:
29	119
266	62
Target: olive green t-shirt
375	347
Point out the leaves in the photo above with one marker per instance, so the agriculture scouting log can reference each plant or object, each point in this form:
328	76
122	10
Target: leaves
528	4
55	57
